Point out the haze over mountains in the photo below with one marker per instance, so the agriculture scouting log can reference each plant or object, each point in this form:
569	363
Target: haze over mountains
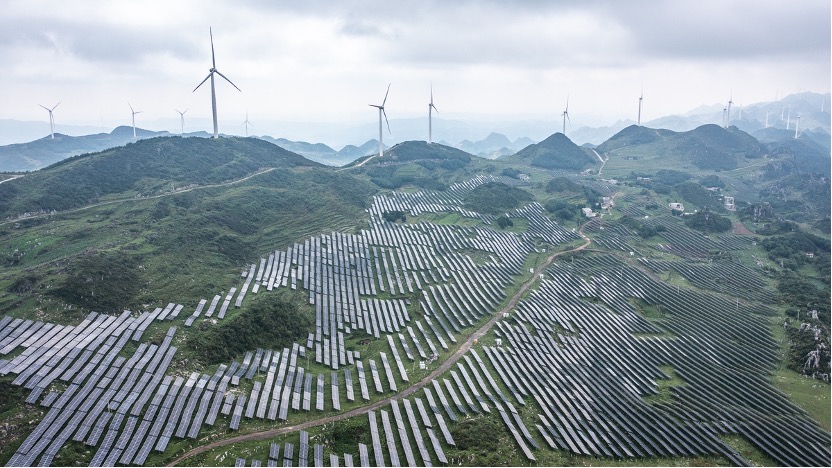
763	120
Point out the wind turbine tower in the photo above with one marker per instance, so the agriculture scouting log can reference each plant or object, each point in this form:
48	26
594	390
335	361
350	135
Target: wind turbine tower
640	100
766	119
724	119
431	108
789	119
381	112
565	115
797	127
134	112
211	73
51	119
182	120
728	114
246	123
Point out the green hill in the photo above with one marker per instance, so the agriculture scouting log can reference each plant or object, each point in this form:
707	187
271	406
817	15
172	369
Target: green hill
419	164
420	150
145	250
145	168
555	152
633	135
709	147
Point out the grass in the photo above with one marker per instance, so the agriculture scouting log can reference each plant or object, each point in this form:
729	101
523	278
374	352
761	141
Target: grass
747	450
811	395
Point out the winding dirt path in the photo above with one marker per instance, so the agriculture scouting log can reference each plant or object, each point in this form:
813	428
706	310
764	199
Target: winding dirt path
446	365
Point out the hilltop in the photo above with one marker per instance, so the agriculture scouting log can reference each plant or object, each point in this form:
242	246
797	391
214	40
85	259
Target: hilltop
709	147
419	164
146	167
555	152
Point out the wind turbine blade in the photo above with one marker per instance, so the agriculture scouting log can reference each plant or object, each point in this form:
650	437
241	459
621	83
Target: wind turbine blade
50	110
213	60
434	107
374	105
385	95
203	81
186	110
226	79
431	95
131	108
56	105
385	119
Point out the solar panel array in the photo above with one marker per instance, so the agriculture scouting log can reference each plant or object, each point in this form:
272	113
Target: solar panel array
591	397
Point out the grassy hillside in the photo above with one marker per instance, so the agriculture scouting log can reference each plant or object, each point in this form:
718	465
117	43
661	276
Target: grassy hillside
184	246
709	148
555	152
147	167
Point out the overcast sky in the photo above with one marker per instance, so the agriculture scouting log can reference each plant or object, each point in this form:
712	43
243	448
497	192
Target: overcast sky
327	60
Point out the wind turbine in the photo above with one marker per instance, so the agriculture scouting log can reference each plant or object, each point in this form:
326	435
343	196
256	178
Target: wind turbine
380	112
640	99
51	119
211	72
431	108
728	115
246	123
182	120
134	118
565	115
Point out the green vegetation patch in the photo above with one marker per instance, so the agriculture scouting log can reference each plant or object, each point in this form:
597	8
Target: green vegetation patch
101	281
496	198
664	387
707	222
269	322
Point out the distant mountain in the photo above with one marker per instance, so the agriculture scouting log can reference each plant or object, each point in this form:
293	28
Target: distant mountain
317	152
597	135
146	167
556	152
352	152
494	146
780	113
19	131
45	151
